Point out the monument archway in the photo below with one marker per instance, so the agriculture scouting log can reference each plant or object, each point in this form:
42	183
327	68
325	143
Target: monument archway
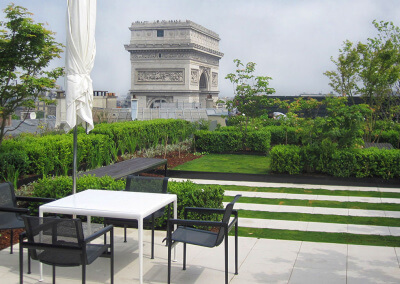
203	85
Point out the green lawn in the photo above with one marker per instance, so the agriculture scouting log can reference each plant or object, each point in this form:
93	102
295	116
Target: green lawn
228	163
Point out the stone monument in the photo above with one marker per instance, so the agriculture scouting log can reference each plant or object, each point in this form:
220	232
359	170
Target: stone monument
174	64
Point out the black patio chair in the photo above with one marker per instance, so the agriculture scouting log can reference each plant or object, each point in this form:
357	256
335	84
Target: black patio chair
61	242
142	184
186	234
10	214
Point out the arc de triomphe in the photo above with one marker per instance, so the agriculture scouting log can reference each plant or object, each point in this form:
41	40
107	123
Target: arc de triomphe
173	62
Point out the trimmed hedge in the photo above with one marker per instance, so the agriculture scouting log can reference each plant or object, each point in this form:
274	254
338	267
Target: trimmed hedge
286	159
232	141
371	162
42	155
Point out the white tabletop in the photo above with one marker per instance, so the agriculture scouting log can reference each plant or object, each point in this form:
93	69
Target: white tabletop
107	203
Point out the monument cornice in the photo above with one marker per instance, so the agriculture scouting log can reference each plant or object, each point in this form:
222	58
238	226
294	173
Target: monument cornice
173	24
177	46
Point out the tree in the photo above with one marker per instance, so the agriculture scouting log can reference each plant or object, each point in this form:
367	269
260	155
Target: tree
345	79
26	49
251	92
372	70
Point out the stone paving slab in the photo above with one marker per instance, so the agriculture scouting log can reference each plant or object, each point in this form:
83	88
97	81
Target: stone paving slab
260	261
317	210
319	227
339	198
291	185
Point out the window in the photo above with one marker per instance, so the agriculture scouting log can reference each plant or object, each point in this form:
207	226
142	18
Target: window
160	33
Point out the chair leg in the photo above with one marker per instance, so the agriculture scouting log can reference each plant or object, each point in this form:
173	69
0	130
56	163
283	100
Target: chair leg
226	257
152	236
112	254
124	233
11	240
29	261
169	243
21	263
83	273
184	256
236	248
54	274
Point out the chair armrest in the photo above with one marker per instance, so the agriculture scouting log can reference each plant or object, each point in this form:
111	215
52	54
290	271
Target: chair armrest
195	223
14	210
204	210
34	199
99	233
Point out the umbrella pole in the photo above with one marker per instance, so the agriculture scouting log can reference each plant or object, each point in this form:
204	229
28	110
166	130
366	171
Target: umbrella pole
74	170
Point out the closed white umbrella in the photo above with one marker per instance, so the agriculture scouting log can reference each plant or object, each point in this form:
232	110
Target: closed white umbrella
80	54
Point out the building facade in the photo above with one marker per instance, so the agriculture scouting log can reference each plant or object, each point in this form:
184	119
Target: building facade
173	62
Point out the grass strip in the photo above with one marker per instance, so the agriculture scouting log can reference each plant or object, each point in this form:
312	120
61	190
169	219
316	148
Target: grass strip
228	163
305	217
308	191
340	238
317	203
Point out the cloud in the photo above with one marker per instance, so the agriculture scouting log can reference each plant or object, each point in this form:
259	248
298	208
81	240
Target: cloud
291	41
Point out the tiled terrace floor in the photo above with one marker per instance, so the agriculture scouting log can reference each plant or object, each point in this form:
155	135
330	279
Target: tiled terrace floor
260	261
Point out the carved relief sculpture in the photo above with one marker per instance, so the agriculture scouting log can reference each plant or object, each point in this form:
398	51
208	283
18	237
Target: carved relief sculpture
160	76
194	76
214	79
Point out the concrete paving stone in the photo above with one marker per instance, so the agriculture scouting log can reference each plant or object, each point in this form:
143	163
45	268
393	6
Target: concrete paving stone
327	227
291	185
368	230
302	196
255	207
366	213
254	223
394	231
333	198
287	225
364	199
310	275
390	200
397	251
386	189
322	256
369	264
331	211
296	209
269	261
392	214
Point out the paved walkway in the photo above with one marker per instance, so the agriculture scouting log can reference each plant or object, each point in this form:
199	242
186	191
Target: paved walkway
260	261
313	226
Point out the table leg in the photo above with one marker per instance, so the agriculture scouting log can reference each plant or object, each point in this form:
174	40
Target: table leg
40	264
175	217
140	239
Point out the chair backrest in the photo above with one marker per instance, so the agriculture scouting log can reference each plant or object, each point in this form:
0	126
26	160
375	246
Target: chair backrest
225	219
146	184
57	235
7	199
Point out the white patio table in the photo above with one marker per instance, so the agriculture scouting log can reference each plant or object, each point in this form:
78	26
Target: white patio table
116	204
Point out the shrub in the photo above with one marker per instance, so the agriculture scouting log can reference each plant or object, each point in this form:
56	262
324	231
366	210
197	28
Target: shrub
286	159
282	135
258	141
218	141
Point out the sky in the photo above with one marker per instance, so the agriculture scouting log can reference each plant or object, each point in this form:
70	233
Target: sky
291	41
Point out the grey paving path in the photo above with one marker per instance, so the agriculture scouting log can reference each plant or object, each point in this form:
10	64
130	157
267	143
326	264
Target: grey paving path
313	226
291	185
317	210
260	261
319	227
